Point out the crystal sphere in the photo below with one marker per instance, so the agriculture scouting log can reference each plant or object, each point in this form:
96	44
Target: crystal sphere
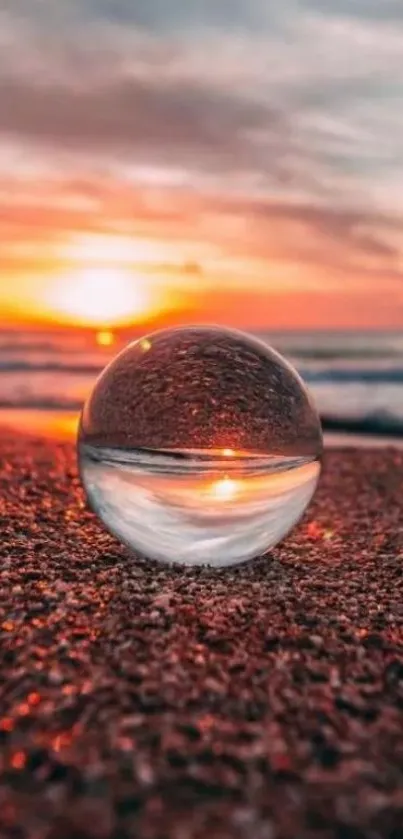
199	446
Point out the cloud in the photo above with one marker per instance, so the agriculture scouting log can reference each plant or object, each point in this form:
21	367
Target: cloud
265	134
387	10
308	106
153	15
165	121
241	240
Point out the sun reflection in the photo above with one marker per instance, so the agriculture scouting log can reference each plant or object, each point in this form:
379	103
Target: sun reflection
105	338
225	489
54	424
145	344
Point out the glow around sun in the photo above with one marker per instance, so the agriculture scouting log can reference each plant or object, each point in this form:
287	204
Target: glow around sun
101	297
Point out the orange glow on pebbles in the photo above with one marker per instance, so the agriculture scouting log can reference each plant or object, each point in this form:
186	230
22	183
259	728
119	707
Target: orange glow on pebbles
18	760
61	741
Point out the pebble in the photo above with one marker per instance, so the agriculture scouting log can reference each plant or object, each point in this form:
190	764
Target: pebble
261	702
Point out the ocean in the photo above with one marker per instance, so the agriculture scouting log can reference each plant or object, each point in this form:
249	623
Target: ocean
356	378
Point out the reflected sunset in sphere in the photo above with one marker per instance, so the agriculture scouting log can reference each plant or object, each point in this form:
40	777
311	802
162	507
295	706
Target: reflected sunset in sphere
199	446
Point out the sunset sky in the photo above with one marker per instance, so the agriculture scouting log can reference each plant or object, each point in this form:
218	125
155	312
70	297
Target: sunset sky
229	160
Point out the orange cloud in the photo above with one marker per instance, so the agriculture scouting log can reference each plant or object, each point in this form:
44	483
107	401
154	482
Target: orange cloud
260	188
244	260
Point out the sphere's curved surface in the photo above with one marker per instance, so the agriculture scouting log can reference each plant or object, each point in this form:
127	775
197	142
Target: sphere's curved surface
199	445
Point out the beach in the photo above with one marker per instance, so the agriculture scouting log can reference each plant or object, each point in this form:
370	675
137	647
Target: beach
354	377
145	701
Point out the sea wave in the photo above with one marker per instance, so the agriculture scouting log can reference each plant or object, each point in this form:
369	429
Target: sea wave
356	380
385	375
28	403
372	423
49	367
338	374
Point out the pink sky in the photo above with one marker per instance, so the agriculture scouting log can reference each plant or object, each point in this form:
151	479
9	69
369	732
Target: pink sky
237	162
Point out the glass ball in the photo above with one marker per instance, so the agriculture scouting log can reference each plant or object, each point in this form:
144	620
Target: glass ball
199	446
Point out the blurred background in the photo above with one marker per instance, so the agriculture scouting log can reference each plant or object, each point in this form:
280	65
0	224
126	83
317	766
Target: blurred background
236	162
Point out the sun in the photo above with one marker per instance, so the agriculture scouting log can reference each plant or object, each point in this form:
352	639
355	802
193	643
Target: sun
101	297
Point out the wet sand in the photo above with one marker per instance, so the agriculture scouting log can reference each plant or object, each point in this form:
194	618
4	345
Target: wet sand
156	703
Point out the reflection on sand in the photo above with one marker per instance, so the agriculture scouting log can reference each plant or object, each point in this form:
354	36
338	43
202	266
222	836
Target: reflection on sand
198	510
56	425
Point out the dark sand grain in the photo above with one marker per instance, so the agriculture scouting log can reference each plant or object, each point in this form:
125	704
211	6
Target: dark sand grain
141	701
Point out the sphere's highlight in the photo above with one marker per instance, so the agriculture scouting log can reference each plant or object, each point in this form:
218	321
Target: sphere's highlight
199	446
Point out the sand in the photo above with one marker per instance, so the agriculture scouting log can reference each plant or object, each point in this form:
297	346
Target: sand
156	703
